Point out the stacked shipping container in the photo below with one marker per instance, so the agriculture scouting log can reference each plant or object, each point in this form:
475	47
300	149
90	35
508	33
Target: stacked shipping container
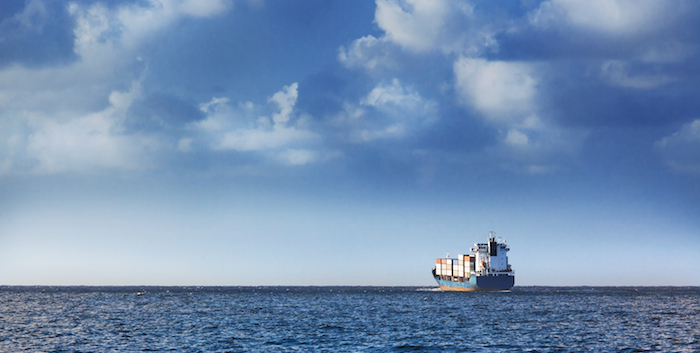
462	266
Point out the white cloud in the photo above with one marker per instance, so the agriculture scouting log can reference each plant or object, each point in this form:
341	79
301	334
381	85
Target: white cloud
413	24
69	118
5	166
185	144
88	142
617	17
32	16
91	25
689	133
615	72
505	94
668	51
390	132
681	150
299	156
123	100
260	139
541	150
285	100
204	8
388	111
368	53
244	129
387	97
214	103
502	91
416	26
516	137
138	22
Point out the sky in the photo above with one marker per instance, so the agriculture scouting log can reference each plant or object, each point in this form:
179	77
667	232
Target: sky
333	142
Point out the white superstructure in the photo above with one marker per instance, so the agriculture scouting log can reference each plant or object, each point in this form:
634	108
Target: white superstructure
491	257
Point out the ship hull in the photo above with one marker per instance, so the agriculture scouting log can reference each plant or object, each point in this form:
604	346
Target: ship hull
476	283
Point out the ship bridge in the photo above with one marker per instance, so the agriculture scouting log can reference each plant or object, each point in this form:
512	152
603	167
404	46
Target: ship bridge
491	257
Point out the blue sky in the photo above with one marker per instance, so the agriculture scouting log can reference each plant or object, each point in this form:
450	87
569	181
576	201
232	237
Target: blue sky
322	142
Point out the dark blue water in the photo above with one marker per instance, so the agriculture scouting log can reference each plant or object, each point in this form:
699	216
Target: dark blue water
347	319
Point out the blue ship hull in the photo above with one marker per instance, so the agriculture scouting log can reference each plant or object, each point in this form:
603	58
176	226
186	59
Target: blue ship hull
475	283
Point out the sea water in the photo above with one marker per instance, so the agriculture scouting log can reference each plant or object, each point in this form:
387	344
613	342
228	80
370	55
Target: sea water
348	319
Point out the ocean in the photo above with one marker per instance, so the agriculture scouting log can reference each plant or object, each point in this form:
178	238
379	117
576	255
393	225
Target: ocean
348	319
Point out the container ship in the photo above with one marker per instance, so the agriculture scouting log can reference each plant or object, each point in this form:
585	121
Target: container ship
487	269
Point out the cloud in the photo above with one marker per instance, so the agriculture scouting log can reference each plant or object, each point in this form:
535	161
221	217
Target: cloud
37	35
279	133
516	137
214	103
298	156
667	51
681	150
204	8
243	129
33	15
185	144
388	111
70	118
412	24
261	139
613	17
506	96
502	91
616	72
368	53
390	132
128	26
285	100
398	100
89	142
416	27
